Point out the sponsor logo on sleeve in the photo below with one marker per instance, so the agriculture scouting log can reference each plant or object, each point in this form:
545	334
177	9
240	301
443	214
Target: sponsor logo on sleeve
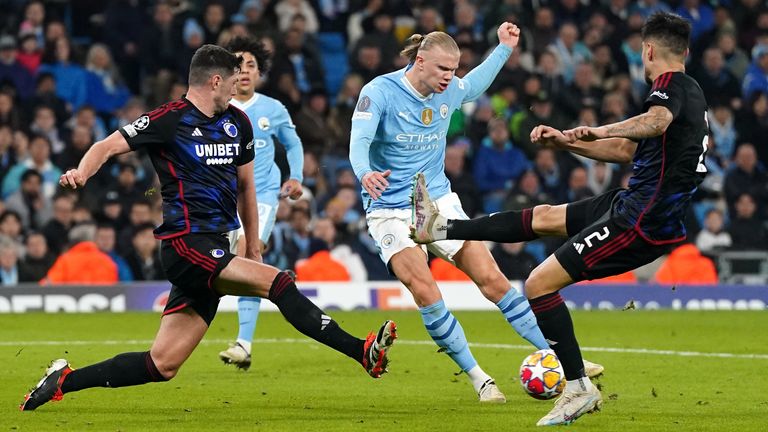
660	95
358	115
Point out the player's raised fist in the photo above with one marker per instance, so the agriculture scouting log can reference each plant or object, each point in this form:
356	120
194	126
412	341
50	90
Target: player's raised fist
291	189
509	34
72	179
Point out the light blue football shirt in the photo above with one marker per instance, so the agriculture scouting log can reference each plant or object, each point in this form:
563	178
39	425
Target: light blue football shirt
394	127
270	120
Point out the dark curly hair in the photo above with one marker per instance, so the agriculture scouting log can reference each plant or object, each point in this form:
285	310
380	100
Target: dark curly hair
253	46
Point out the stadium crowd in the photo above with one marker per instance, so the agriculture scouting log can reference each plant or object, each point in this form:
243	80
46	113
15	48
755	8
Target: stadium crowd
71	72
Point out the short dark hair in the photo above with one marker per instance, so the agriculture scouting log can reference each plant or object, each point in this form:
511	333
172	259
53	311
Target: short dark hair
671	30
255	47
210	60
31	173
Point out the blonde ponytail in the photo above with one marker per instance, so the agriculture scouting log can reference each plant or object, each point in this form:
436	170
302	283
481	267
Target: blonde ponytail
418	42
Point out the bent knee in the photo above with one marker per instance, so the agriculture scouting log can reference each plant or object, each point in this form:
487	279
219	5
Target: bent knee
166	367
535	285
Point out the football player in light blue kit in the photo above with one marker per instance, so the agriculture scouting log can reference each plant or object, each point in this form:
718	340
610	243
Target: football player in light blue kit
270	120
398	130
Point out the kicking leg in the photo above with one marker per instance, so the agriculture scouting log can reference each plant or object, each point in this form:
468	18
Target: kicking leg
177	337
475	260
542	289
410	266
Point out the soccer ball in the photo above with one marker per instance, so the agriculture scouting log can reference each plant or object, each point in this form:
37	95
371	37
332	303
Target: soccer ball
541	375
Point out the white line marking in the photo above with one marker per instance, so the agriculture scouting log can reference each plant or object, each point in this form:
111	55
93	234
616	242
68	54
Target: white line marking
403	342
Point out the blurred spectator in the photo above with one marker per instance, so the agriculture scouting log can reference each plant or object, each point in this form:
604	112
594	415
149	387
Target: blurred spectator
736	60
756	78
468	27
600	177
632	48
301	63
71	78
56	231
752	124
320	266
542	112
106	90
340	116
379	31
513	261
251	15
550	73
123	24
139	214
719	85
747	229
38	259
214	21
569	50
647	8
713	237
312	123
12	70
701	17
83	263
512	74
286	10
86	116
44	123
685	265
39	160
746	177
527	193
581	93
543	31
7	156
34	17
551	176
144	258
30	54
607	64
79	143
314	179
158	51
368	61
723	128
33	208
9	259
10	226
498	164
45	95
578	186
462	182
10	114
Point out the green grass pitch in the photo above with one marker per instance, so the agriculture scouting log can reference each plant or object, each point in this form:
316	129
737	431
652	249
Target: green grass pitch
295	384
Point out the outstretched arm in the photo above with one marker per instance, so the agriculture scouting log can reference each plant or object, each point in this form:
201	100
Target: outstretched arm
649	124
93	159
480	78
619	150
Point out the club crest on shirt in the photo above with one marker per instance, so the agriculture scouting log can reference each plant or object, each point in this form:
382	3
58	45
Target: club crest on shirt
426	116
263	123
364	104
217	253
444	110
387	241
230	129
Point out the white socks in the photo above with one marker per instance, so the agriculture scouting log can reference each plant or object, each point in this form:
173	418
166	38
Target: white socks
478	377
245	344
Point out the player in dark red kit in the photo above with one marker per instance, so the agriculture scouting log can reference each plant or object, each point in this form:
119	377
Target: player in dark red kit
619	230
202	149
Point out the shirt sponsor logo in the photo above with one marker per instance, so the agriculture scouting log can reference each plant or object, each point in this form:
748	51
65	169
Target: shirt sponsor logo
263	123
419	138
218	154
230	129
660	95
